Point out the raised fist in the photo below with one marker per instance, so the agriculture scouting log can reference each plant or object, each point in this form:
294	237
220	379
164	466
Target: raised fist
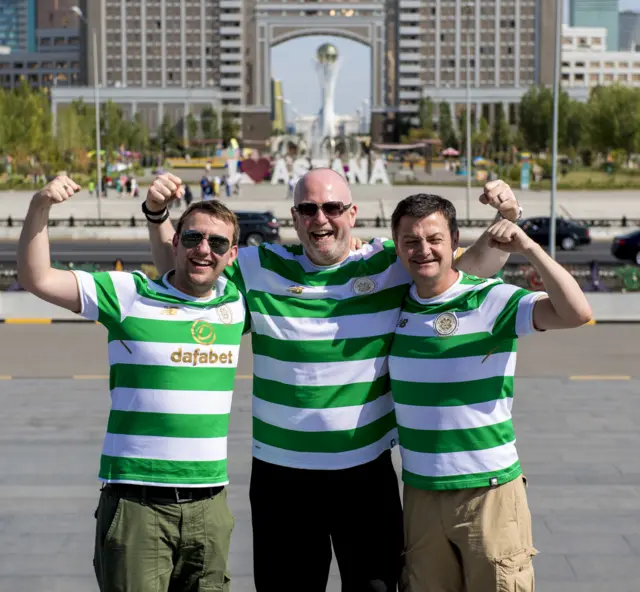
501	197
165	189
508	237
57	191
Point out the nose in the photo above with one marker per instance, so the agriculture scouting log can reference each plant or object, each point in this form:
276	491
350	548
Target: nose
204	247
320	217
425	247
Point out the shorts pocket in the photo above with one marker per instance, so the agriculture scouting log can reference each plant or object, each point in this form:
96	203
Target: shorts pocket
514	573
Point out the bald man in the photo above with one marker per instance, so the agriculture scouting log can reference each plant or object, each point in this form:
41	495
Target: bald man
323	317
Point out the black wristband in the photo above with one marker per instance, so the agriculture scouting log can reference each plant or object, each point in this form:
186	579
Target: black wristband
154	217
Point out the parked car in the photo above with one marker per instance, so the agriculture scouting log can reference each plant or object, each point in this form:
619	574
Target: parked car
258	227
569	234
627	247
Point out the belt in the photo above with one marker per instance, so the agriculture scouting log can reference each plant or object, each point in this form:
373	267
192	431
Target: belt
162	495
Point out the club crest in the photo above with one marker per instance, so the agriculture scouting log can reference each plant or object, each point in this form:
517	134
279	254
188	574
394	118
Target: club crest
224	314
295	289
363	285
446	323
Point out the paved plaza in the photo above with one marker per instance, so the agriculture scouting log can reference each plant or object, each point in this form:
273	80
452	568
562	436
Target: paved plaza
577	413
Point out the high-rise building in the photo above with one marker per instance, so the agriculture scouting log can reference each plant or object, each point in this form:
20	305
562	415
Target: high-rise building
597	13
17	24
157	56
507	43
629	31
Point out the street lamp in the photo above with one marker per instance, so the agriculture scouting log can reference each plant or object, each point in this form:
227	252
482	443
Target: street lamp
468	118
80	14
554	149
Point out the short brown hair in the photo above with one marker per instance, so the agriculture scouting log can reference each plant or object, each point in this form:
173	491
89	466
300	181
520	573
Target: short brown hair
421	205
216	209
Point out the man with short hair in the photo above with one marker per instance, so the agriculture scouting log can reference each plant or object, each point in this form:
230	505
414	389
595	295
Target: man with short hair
452	365
323	317
162	521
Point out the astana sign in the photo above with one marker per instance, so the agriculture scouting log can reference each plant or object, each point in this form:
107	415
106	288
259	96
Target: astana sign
358	171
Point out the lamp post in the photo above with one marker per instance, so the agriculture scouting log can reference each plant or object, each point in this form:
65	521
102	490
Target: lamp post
554	149
468	118
96	90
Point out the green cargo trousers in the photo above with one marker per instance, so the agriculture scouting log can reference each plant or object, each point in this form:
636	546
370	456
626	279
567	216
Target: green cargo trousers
168	547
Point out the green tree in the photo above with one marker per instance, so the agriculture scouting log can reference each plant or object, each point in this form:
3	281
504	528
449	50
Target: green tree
425	114
614	118
230	128
445	126
192	127
209	123
481	137
501	133
167	135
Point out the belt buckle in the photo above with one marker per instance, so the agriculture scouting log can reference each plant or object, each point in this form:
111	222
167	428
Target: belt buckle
183	500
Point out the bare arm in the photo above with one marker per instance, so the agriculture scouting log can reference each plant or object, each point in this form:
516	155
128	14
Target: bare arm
161	236
35	273
566	306
480	259
165	189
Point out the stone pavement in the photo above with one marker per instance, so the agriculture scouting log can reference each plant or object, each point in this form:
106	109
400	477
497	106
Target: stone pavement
578	439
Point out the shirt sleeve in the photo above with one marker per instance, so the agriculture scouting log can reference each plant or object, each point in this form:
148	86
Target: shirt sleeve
105	296
234	273
515	319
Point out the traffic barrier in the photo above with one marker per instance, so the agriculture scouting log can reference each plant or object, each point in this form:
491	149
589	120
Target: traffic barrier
377	222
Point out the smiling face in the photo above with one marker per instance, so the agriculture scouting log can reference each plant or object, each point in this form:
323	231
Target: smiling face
326	238
199	267
426	247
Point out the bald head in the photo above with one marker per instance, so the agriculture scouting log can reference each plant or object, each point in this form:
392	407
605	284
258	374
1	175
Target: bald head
322	182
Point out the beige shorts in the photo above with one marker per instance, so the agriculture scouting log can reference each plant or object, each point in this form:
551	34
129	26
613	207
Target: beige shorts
468	540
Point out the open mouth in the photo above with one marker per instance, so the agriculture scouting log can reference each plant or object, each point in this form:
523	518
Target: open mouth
200	263
321	235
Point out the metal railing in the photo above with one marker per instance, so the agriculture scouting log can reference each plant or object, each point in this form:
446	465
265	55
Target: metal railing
377	222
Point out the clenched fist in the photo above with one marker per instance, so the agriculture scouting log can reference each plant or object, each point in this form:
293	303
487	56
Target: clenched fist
165	189
57	191
501	197
508	237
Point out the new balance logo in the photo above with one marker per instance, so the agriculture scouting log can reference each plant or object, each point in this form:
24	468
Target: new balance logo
402	323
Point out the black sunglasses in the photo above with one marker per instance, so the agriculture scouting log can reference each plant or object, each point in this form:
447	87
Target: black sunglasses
331	209
190	239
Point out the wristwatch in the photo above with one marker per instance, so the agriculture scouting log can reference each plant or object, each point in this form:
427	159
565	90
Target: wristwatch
518	217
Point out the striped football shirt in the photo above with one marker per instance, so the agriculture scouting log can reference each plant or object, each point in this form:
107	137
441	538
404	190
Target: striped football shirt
173	361
452	367
321	337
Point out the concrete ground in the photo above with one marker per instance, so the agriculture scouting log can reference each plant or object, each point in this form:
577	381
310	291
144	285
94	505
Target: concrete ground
576	415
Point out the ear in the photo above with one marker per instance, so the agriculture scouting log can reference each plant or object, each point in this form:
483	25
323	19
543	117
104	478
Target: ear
353	211
174	241
233	254
455	241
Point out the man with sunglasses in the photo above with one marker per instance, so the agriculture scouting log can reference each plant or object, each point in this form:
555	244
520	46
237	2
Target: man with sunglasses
323	317
162	520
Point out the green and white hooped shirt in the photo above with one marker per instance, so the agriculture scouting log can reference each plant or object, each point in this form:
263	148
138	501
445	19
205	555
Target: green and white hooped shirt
321	337
452	367
173	361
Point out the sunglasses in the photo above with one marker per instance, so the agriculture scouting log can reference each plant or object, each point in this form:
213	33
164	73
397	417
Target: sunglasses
331	209
190	239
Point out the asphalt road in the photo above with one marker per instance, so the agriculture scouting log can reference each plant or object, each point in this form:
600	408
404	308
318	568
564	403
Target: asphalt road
140	252
577	439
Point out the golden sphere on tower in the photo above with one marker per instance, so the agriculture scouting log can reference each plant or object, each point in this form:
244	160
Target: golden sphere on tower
327	53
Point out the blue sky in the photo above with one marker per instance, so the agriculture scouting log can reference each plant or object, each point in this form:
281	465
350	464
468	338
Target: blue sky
292	62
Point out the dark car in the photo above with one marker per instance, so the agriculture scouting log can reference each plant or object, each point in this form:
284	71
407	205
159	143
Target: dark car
627	247
258	227
569	234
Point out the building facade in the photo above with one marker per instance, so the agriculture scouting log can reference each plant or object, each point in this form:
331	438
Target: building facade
629	31
586	62
418	49
597	13
17	24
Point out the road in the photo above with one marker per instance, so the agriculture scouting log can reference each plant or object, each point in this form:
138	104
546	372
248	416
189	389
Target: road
139	252
577	438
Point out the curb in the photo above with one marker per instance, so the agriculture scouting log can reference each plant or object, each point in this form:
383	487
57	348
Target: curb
28	321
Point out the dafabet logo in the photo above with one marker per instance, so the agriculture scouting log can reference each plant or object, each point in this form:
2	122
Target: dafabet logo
202	357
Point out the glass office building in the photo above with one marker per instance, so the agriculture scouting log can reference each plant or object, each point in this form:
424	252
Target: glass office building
597	13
